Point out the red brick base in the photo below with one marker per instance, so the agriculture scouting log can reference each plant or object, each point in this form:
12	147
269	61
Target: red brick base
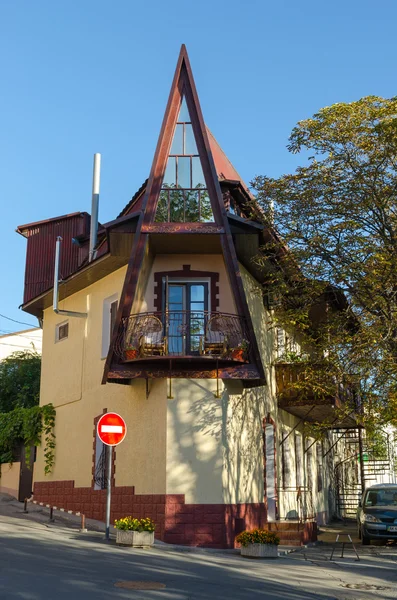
209	525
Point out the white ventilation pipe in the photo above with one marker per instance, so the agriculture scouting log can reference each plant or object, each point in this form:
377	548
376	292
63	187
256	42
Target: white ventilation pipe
68	313
96	177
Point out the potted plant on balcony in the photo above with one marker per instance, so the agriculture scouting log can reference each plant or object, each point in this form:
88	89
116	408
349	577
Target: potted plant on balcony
240	352
258	543
131	352
292	358
134	532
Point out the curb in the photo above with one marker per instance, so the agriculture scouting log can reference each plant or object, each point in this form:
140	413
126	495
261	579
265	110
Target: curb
83	528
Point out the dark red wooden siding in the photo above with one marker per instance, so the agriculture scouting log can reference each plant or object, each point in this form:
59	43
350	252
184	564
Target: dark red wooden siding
40	254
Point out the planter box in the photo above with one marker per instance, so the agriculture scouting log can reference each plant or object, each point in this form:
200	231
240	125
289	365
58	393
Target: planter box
137	539
259	551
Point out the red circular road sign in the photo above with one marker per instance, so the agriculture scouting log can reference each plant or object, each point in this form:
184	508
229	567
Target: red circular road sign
111	429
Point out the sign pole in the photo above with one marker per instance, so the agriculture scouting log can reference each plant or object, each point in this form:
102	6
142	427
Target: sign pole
111	430
109	492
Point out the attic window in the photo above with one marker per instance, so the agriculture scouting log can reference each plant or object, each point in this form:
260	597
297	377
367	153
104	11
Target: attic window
62	331
183	196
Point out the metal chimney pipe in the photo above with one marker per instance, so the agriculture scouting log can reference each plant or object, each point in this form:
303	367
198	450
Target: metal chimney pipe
68	313
96	176
56	272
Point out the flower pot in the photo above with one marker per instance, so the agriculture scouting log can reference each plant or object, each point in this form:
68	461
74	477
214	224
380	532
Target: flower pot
259	551
137	539
238	354
131	354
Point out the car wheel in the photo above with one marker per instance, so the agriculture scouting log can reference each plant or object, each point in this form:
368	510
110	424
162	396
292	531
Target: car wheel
365	540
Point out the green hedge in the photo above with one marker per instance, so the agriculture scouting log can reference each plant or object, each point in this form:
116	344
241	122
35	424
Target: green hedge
28	426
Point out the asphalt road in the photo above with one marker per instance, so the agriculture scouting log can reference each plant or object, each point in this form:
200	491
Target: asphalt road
41	562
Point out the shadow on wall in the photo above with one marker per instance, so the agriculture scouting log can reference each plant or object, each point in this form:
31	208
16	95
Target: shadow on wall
194	430
243	444
217	443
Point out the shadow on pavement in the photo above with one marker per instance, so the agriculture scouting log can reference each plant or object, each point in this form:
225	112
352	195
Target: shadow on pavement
53	566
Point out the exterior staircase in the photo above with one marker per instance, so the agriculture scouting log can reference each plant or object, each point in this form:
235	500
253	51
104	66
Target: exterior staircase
347	501
376	469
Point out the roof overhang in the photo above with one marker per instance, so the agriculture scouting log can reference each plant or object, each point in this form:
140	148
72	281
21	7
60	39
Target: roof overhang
87	275
22	229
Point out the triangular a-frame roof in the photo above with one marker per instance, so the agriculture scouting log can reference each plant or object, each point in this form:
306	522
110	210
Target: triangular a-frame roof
183	87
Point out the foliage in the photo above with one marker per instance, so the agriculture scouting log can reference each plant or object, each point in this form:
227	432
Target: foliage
189	206
338	217
20	380
257	536
132	524
243	345
28	426
131	346
293	357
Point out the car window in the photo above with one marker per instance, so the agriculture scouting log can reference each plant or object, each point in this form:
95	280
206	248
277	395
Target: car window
381	497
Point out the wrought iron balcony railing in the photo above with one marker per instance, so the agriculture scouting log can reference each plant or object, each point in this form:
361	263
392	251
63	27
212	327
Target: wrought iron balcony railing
183	333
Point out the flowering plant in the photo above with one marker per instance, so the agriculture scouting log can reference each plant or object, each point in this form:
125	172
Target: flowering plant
132	524
257	536
244	345
240	351
131	346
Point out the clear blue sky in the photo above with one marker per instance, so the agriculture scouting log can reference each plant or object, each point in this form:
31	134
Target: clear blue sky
87	76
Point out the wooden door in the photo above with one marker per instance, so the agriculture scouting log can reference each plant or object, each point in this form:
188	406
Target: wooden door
26	474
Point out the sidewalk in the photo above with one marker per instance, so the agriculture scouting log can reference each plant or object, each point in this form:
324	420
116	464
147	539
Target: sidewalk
10	506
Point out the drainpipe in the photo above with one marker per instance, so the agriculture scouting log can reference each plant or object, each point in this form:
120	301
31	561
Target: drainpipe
94	206
361	452
68	313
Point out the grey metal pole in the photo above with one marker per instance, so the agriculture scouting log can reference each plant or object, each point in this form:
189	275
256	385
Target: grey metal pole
56	272
95	206
108	492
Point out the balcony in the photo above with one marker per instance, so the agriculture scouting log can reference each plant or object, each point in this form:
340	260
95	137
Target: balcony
175	337
312	398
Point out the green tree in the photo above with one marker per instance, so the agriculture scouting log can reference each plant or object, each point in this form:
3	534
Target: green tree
22	420
337	214
20	380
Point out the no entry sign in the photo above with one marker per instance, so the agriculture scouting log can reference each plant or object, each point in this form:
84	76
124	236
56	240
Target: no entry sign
111	429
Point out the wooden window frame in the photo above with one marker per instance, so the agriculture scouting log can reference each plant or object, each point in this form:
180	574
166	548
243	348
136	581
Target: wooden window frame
269	422
187	274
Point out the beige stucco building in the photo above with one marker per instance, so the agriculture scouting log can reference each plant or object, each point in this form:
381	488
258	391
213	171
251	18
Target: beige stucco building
180	340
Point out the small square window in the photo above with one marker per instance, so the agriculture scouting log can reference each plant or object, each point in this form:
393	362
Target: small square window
62	331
